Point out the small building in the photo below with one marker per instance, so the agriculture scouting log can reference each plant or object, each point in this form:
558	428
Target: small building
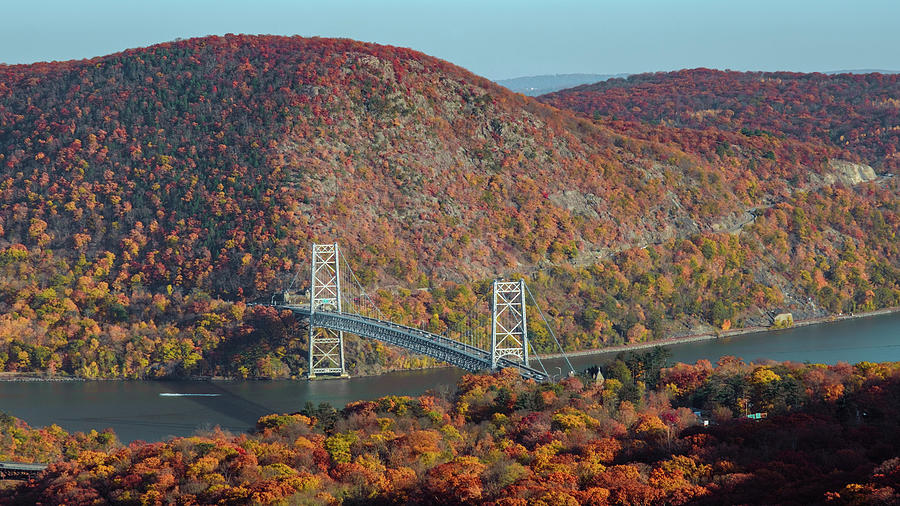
296	298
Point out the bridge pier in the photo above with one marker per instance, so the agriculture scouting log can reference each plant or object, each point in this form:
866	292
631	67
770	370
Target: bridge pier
326	346
509	330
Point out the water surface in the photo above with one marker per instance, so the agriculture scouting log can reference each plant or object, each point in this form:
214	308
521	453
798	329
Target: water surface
136	410
873	339
148	410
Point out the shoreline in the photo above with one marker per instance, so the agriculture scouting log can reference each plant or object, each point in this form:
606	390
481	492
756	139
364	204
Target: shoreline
17	377
30	377
36	377
706	336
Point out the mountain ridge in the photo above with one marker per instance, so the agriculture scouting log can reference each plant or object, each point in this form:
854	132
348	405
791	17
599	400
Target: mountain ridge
145	196
547	83
853	112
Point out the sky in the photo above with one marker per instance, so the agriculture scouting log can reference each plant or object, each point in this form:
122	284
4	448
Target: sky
493	38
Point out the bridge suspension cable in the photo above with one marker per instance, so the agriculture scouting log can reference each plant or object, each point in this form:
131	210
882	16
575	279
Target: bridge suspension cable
538	357
549	328
359	300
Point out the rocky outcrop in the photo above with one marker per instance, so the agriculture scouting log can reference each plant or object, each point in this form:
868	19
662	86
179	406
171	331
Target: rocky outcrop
846	172
579	204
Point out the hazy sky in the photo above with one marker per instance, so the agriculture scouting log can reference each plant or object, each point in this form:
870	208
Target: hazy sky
497	39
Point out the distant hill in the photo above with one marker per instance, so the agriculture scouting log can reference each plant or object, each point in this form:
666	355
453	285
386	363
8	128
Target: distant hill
539	85
146	196
859	113
863	71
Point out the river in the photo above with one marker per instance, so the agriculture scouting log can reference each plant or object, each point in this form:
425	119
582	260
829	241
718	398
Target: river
154	410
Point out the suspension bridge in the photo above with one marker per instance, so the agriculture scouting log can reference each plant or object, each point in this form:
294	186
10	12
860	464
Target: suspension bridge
333	310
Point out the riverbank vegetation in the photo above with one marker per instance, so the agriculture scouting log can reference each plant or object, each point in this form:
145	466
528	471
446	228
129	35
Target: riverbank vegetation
65	318
830	433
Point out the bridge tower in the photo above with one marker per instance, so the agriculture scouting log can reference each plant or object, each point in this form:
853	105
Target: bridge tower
326	347
509	333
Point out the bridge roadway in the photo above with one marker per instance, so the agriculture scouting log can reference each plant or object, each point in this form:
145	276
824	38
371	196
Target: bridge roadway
437	346
20	471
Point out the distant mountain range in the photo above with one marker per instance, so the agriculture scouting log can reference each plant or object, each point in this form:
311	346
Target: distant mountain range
534	86
863	115
539	85
863	71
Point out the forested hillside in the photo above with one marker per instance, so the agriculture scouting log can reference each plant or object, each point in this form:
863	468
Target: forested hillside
146	196
857	113
830	435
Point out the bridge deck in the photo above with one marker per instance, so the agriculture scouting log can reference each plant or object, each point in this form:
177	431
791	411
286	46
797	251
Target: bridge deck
426	343
19	470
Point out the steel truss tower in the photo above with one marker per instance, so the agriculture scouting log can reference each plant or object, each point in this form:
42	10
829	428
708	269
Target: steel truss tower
326	347
509	332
